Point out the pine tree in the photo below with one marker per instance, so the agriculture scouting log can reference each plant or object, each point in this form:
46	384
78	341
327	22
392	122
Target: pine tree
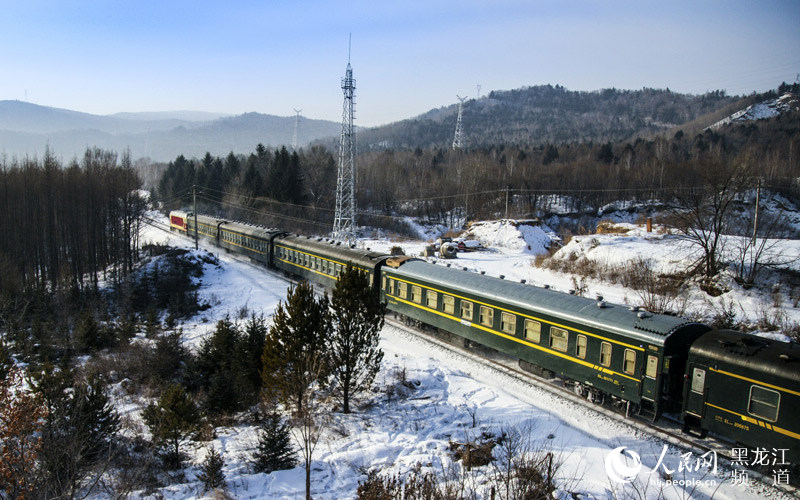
6	363
295	348
172	420
168	358
275	451
295	189
91	336
248	354
79	428
211	473
219	366
353	354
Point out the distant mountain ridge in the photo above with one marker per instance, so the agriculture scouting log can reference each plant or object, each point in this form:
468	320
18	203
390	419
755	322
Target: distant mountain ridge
27	129
531	116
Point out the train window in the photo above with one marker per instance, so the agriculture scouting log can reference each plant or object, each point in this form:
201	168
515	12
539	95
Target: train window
652	366
416	294
391	286
630	362
432	299
533	330
325	271
580	347
487	316
402	290
466	310
448	304
508	323
764	403
698	380
559	339
383	282
605	354
338	270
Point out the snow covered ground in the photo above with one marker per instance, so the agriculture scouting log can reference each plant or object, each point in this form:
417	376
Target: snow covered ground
450	398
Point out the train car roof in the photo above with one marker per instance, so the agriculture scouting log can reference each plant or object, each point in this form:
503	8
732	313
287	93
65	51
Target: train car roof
744	351
250	229
337	250
646	326
205	218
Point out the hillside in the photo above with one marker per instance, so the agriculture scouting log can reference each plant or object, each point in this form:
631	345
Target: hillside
549	114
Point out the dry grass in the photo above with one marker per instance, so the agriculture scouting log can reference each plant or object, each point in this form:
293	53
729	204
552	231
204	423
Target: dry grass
609	227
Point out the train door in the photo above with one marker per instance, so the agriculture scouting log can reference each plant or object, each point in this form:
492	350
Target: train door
696	390
649	384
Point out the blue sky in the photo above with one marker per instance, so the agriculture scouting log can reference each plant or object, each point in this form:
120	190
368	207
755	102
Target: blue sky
107	56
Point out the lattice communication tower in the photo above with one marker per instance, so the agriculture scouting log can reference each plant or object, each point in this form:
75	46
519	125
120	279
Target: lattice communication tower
344	223
296	122
458	140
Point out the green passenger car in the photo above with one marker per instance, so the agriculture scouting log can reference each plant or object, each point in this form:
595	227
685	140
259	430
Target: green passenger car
321	260
207	227
252	241
604	350
746	388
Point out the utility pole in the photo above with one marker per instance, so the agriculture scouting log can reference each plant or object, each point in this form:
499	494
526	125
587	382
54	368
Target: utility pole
755	219
194	212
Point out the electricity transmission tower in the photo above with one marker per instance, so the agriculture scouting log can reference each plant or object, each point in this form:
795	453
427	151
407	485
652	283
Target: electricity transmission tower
344	223
296	121
458	140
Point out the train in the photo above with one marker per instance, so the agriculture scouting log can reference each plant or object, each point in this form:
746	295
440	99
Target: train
744	389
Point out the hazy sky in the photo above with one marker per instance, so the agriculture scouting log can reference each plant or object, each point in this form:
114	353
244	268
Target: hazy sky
408	56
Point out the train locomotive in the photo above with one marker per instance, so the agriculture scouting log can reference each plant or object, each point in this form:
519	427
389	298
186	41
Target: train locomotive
743	388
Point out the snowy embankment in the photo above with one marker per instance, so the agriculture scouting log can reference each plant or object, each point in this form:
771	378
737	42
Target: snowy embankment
445	398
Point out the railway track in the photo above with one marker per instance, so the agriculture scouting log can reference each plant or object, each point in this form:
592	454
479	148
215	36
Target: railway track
668	431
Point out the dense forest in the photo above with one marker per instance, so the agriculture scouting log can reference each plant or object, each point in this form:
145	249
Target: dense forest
65	225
